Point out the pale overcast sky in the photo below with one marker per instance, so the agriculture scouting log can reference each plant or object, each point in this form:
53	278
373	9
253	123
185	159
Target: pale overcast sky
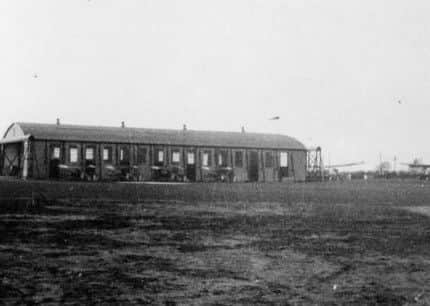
333	70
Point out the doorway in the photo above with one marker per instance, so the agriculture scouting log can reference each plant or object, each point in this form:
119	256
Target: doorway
191	166
54	162
253	166
11	162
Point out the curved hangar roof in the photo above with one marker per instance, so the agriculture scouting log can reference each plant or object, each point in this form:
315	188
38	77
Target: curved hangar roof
77	133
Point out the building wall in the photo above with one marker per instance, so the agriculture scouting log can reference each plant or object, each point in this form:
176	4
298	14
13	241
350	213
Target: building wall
38	163
298	169
189	171
204	174
144	167
41	150
79	162
96	157
270	173
240	172
103	167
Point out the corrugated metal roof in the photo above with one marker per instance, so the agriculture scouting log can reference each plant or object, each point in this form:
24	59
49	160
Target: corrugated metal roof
159	136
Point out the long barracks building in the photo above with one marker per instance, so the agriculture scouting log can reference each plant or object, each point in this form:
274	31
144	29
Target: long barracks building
52	151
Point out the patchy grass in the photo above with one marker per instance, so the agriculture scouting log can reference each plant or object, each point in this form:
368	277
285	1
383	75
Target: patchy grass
352	243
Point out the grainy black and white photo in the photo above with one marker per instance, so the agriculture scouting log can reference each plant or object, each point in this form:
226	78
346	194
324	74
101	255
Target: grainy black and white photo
194	152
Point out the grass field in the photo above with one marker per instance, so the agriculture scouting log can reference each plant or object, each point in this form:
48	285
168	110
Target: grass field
361	243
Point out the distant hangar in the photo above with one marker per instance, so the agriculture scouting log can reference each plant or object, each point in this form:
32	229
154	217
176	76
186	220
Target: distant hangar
59	151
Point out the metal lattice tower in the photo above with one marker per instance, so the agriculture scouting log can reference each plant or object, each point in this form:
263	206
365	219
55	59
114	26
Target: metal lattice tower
314	164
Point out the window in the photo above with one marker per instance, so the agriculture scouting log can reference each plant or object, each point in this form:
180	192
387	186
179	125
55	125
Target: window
268	160
206	158
56	153
107	154
190	158
176	157
123	155
141	155
238	159
222	158
73	155
284	159
159	157
89	153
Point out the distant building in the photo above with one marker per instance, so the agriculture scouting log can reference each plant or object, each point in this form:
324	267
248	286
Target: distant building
52	151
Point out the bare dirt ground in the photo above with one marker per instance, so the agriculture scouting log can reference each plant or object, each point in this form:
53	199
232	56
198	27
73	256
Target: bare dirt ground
299	244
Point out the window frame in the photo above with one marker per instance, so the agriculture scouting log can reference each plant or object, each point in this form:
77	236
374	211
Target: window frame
55	149
142	153
208	160
124	155
222	158
281	154
268	160
74	149
176	153
160	156
157	153
238	159
109	154
193	159
87	149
